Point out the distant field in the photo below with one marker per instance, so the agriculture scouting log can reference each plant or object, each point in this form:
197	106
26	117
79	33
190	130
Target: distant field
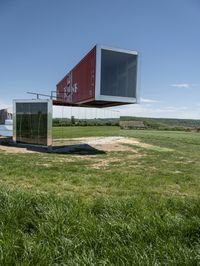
135	207
87	131
150	123
166	123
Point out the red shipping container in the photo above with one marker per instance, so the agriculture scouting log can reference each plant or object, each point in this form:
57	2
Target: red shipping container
104	77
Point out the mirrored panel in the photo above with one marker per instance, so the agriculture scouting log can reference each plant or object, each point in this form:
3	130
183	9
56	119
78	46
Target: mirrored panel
118	73
32	123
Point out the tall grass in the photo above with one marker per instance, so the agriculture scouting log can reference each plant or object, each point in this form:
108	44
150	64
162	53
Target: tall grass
39	229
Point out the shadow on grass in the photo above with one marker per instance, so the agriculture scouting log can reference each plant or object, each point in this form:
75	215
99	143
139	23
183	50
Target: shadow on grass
79	149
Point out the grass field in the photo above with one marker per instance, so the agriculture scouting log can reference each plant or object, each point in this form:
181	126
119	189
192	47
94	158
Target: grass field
135	207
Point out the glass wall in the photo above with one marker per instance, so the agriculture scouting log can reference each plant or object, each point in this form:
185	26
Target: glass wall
118	73
32	122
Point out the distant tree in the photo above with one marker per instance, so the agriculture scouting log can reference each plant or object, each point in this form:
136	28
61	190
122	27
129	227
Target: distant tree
73	120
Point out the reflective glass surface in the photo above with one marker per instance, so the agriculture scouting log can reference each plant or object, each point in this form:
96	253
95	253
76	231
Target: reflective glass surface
118	73
31	123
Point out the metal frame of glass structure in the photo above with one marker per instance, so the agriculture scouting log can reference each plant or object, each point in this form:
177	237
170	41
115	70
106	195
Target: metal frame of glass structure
32	122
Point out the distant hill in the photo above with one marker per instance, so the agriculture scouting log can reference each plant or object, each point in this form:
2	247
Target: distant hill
149	123
165	123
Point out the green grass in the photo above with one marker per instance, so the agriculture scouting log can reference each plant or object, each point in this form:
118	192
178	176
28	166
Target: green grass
139	207
87	131
46	230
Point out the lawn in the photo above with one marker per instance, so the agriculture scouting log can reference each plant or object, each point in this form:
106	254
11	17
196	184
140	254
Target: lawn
139	207
87	131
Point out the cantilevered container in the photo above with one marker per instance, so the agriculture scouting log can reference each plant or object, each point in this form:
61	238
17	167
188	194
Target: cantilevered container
105	77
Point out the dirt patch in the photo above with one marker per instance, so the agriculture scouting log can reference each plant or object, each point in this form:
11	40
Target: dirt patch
92	144
102	164
10	149
106	144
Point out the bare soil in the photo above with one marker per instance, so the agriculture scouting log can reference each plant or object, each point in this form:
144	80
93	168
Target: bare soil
106	144
10	149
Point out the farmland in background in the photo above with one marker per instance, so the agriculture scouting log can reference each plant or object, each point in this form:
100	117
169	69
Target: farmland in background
150	123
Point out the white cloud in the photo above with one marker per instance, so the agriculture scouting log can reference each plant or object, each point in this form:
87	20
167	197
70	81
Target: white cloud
144	100
5	105
182	85
162	112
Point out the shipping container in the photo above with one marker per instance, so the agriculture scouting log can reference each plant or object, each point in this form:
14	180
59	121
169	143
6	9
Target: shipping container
105	77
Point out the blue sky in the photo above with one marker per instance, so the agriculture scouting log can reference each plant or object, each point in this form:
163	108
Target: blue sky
40	40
